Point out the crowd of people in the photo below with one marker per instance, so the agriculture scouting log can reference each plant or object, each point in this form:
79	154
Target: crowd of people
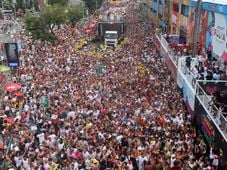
207	68
127	118
204	66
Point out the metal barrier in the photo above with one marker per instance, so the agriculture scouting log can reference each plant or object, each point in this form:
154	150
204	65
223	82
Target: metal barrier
164	43
214	112
188	73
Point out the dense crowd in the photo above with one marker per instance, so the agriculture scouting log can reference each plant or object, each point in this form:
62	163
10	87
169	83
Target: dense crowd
204	66
207	68
131	116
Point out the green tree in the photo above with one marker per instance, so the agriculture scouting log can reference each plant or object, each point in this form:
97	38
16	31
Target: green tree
42	27
75	13
59	2
54	16
92	5
37	28
8	4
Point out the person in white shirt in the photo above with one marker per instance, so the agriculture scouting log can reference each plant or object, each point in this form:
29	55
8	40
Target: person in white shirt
75	166
129	165
140	161
215	161
41	137
26	164
172	160
18	161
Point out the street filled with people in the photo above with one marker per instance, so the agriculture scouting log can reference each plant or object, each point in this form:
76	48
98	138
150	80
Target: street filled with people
118	110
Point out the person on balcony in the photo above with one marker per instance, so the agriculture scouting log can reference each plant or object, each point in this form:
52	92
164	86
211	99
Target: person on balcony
188	62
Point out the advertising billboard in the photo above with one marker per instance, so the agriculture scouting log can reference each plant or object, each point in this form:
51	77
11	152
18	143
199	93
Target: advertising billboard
208	128
12	54
219	34
210	87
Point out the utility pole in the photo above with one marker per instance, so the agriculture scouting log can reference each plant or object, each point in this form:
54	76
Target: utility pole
158	13
25	7
168	19
14	2
3	10
33	6
196	27
83	8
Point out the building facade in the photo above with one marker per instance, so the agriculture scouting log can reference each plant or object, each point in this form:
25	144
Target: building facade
159	13
179	17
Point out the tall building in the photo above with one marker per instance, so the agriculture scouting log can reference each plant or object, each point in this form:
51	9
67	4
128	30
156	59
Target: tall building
159	13
179	17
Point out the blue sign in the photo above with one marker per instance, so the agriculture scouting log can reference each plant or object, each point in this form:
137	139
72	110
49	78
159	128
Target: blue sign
193	4
221	9
154	6
13	64
213	7
208	6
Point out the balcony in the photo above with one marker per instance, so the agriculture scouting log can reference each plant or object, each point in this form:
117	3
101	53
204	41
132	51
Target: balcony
190	85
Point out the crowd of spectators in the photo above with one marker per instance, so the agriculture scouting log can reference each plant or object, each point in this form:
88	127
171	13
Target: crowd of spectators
205	66
127	118
208	68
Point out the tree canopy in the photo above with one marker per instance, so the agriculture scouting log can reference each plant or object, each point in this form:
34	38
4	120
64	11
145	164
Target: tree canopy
42	27
37	28
75	13
92	5
54	16
59	2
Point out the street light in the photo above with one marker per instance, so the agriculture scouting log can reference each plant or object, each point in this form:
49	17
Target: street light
25	6
14	8
82	5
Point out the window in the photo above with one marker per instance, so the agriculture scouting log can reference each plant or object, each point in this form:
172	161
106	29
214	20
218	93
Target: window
175	7
184	10
154	6
183	35
174	29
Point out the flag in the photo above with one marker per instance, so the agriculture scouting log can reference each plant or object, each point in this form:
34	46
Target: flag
41	5
44	101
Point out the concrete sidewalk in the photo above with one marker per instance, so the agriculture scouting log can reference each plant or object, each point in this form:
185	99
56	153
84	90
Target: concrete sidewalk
13	30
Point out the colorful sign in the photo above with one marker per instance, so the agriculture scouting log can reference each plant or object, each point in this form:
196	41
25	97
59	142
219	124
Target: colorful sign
205	124
191	23
202	33
218	35
210	87
203	24
212	7
42	4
